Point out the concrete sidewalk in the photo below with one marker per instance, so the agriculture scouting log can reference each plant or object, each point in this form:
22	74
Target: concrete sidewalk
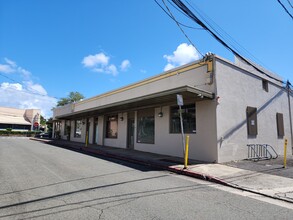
267	178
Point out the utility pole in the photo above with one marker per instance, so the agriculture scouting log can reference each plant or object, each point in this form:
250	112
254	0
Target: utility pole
290	115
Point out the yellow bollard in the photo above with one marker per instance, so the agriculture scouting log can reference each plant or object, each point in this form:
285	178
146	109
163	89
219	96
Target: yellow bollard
86	139
186	152
285	152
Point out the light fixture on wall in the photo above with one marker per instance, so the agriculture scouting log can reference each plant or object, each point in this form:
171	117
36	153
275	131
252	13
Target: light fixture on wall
160	113
83	122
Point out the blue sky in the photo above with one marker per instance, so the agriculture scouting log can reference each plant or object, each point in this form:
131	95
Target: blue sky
49	48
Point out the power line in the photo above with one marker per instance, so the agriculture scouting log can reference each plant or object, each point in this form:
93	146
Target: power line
192	16
175	20
212	23
283	6
181	28
290	3
27	91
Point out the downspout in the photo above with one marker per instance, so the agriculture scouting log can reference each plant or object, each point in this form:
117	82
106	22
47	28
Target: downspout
290	115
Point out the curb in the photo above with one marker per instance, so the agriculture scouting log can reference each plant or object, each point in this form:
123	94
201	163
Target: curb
177	170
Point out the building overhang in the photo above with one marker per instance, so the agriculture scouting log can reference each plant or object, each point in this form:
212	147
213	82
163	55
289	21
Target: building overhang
167	97
6	119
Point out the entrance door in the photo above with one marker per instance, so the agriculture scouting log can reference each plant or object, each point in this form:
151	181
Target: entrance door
96	133
130	131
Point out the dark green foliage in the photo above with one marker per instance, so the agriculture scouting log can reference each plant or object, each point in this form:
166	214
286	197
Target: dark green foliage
72	97
18	133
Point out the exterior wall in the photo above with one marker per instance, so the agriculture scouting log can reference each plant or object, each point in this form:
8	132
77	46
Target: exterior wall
32	115
91	130
237	89
202	144
101	126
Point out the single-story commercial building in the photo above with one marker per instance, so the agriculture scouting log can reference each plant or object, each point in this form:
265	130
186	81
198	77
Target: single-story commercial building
19	119
226	107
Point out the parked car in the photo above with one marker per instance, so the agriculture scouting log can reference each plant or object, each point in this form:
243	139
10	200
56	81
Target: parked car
42	135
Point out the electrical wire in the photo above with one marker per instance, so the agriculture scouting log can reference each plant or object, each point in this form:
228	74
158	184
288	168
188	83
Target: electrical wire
283	6
211	23
182	29
290	3
27	91
177	21
190	14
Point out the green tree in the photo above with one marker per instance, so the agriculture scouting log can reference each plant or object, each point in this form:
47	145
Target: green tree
72	97
42	120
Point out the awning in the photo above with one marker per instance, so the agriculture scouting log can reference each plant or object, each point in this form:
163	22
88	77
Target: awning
167	97
11	119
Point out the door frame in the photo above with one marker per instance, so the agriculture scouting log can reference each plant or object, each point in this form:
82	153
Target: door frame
130	122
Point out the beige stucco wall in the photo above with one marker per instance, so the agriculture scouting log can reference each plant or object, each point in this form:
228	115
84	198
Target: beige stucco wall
202	143
237	89
91	130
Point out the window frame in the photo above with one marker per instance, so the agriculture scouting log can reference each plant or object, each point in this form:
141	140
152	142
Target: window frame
251	121
184	107
75	128
265	85
145	114
280	125
108	123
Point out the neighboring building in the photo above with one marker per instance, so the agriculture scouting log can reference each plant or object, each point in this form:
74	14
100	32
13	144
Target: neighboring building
19	119
226	107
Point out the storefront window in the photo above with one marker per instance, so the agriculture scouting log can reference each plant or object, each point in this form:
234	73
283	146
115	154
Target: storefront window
112	126
146	126
188	116
77	128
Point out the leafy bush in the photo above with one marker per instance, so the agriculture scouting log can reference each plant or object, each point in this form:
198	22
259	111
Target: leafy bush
18	133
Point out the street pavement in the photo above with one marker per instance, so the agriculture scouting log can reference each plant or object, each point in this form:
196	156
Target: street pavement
268	177
41	181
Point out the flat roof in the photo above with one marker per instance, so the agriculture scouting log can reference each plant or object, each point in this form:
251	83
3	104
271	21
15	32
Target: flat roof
189	93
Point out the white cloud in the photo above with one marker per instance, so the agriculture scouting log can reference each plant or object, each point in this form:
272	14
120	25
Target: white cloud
183	54
35	88
26	94
169	66
4	68
101	63
11	67
15	86
20	96
10	62
112	70
125	65
95	60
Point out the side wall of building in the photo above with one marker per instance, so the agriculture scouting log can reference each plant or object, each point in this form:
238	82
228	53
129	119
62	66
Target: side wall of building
238	89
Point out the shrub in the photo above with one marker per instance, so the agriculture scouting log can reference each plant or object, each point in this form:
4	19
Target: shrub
18	133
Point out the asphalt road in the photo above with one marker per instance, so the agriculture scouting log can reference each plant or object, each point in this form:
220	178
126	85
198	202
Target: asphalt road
39	181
